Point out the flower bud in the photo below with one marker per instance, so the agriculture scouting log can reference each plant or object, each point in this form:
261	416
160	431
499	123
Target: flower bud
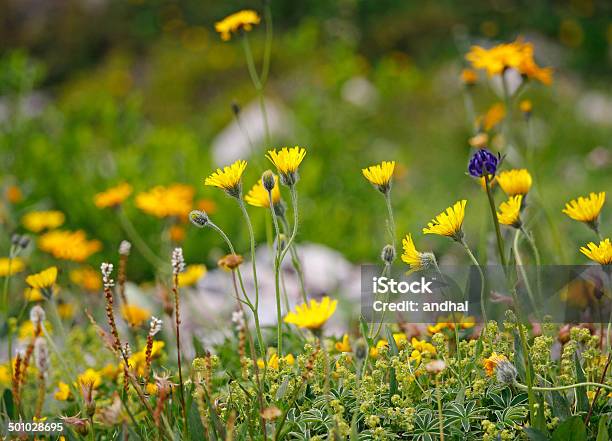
267	180
198	218
361	350
388	254
506	372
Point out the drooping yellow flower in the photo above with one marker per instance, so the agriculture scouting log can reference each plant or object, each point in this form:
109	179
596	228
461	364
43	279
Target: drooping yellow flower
601	253
414	259
44	279
37	221
449	222
344	345
514	182
134	314
510	211
586	209
8	267
63	392
87	278
313	315
176	200
258	196
228	179
491	363
90	376
274	361
69	245
380	175
114	196
241	20
191	275
287	161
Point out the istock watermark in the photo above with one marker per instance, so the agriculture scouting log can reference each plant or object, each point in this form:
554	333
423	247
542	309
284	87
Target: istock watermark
553	293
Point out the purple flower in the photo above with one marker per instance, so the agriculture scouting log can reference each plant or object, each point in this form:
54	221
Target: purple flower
483	162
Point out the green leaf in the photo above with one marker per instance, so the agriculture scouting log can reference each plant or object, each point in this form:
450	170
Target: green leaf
364	331
9	405
519	358
581	396
602	429
572	429
535	434
394	351
559	405
540	422
195	424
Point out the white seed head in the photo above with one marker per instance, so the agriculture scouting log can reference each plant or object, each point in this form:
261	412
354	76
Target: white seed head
41	355
155	326
178	261
37	315
107	270
238	319
125	247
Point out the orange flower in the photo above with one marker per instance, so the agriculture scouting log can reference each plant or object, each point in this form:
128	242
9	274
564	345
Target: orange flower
113	196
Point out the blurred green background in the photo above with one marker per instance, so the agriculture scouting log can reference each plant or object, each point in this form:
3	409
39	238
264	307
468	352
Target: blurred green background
95	92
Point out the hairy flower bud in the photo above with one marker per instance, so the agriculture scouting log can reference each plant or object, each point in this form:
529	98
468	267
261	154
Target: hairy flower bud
388	254
506	372
267	180
198	218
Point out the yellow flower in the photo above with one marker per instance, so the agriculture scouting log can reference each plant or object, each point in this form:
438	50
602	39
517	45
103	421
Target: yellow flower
63	392
27	330
313	315
114	196
230	262
423	346
273	361
134	315
244	20
415	259
382	343
380	175
258	196
110	371
16	266
510	211
469	77
44	279
14	194
69	245
90	376
493	117
526	106
287	161
601	253
87	278
344	345
32	295
176	200
228	179
177	233
138	360
191	275
37	221
464	322
66	310
491	363
514	182
449	222
151	388
5	376
586	209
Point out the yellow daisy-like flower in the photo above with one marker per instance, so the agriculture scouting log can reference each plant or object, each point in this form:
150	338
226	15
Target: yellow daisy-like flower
134	314
414	259
191	275
90	376
63	392
601	253
423	346
44	279
176	200
287	161
114	196
228	179
244	20
69	245
274	361
380	175
87	278
586	209
8	267
37	221
449	222
491	363
258	196
344	345
514	182
313	315
510	211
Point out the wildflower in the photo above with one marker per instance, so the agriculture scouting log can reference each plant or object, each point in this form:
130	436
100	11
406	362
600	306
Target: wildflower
422	346
314	315
8	267
380	175
14	194
259	196
491	362
515	182
114	196
124	248
287	161
415	259
107	269
155	326
66	310
483	162
37	315
90	376
344	345
20	241
495	114
229	179
388	254
241	20
586	209
37	221
449	222
134	315
191	275
469	77
87	278
273	361
43	280
601	253
230	262
199	218
526	107
435	366
479	140
178	261
177	233
28	330
510	211
138	360
380	344
173	201
69	245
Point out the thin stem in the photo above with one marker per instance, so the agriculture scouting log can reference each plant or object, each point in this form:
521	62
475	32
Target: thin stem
295	260
294	207
521	268
142	246
177	322
265	68
257	83
277	269
569	386
483	305
5	309
598	390
245	213
500	241
440	414
391	225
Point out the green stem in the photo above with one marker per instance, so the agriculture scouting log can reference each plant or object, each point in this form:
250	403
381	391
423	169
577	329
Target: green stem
569	386
500	241
277	269
391	225
142	246
521	267
440	414
483	305
294	207
252	241
295	260
258	83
